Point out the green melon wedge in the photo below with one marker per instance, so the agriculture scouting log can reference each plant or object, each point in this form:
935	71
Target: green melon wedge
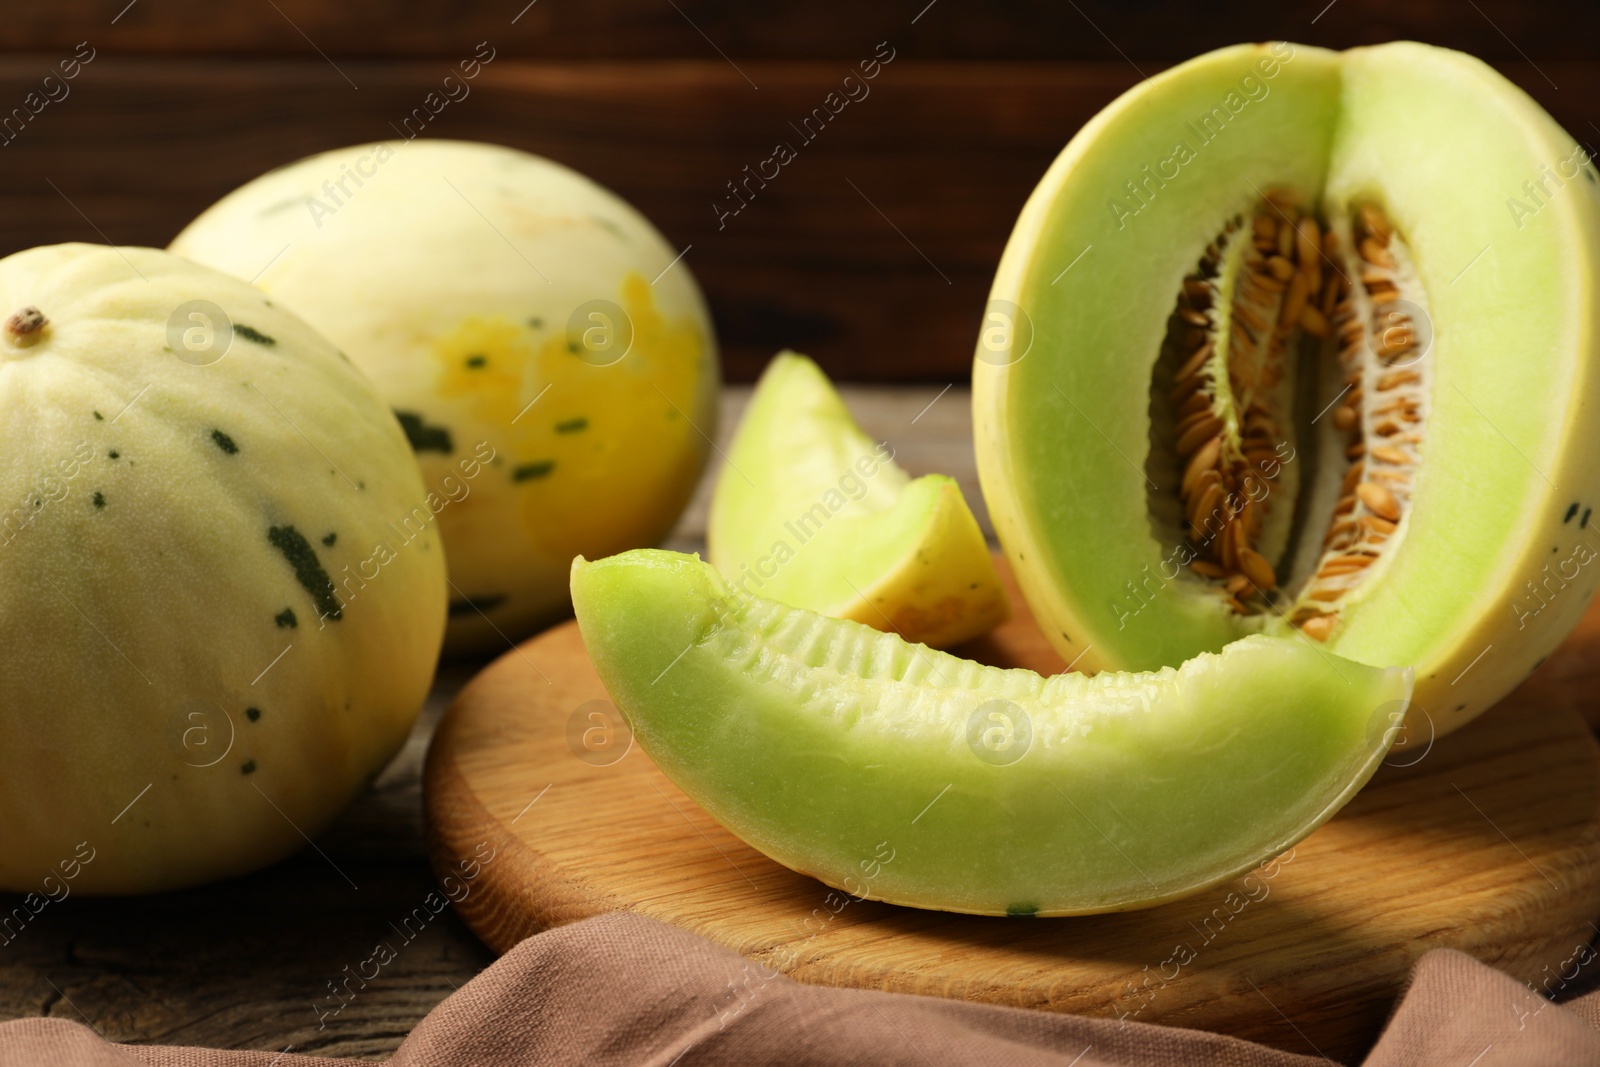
811	512
903	774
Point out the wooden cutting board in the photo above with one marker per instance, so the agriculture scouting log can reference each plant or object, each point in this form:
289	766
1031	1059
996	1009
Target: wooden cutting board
1487	841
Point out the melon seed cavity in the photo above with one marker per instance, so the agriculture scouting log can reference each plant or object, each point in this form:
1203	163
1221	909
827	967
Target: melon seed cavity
1288	407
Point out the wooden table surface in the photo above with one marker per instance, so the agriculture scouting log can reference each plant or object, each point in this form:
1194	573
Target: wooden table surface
245	964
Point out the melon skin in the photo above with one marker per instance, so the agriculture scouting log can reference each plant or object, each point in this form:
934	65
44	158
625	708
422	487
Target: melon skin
220	594
1492	570
462	278
879	767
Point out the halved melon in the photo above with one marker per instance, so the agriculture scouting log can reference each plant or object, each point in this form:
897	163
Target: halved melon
811	512
1313	348
903	774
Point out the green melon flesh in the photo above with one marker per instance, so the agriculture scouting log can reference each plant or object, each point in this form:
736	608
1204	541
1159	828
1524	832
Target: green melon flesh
1490	567
844	753
811	512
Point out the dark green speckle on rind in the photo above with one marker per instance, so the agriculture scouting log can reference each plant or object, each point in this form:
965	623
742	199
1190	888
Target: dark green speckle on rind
577	425
250	333
99	499
114	454
307	569
1022	911
253	714
423	437
286	620
477	361
249	767
529	471
99	417
329	539
224	442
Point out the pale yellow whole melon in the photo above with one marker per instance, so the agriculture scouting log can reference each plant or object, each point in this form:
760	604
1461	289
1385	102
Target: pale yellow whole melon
527	325
222	593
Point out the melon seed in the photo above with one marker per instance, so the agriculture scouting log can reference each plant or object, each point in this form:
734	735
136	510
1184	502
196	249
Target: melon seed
1318	627
1203	460
1195	362
1377	524
1373	252
1313	322
1255	567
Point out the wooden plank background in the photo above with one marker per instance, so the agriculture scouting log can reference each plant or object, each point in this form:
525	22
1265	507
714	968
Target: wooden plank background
798	29
873	250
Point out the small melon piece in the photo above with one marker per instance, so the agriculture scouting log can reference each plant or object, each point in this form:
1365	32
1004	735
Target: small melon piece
1313	347
811	512
546	349
908	775
217	627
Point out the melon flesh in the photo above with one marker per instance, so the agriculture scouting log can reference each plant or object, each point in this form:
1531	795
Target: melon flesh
811	512
1489	570
908	775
